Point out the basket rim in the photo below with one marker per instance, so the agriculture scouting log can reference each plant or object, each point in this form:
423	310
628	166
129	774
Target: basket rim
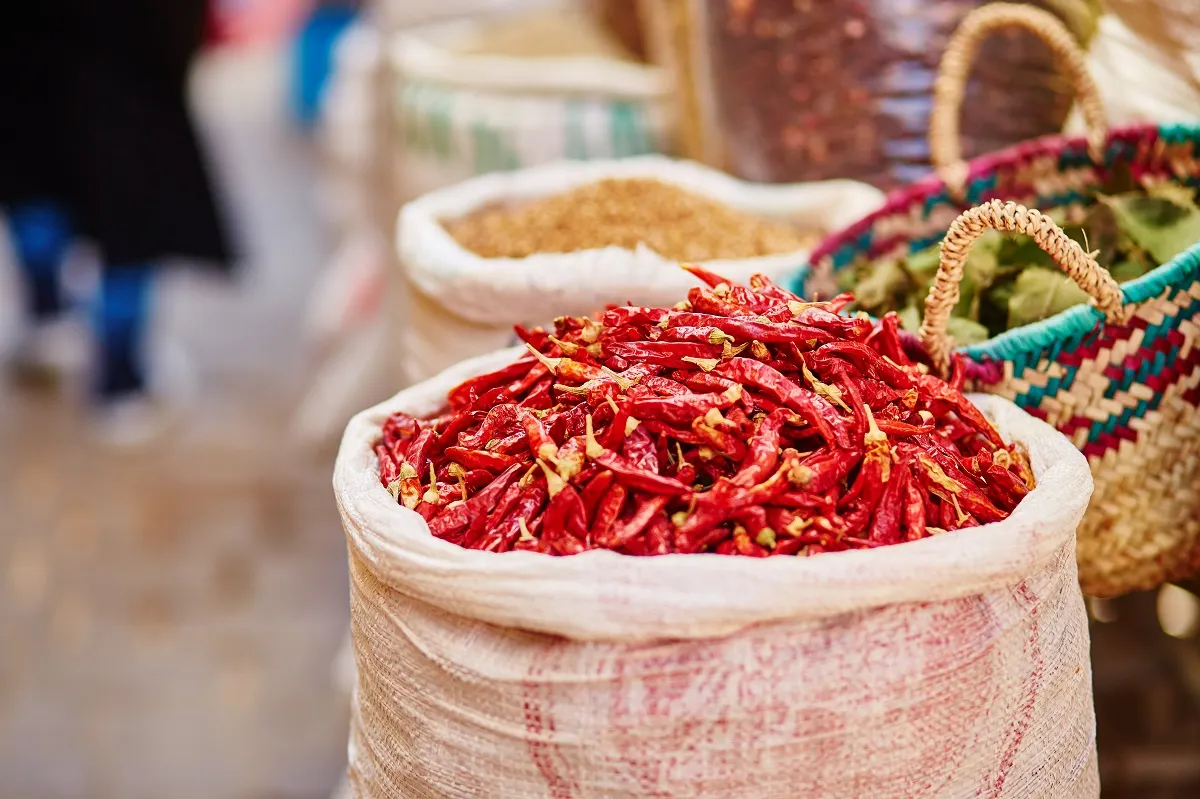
1073	322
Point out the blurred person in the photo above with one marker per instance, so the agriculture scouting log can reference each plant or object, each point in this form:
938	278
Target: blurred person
96	142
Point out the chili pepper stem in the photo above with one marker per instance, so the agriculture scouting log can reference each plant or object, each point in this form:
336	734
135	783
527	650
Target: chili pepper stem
705	364
592	446
431	494
623	383
549	363
525	534
554	483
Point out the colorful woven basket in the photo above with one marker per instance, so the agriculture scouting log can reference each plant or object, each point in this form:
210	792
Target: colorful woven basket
1124	382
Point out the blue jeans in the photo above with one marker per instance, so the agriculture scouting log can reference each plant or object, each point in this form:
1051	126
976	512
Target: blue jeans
42	235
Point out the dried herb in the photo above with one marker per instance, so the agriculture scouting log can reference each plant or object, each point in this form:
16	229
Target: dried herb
1008	281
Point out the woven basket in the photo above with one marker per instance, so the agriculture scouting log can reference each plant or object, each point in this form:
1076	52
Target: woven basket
1120	377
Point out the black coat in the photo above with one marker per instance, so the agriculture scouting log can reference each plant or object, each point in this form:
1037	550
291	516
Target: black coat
93	115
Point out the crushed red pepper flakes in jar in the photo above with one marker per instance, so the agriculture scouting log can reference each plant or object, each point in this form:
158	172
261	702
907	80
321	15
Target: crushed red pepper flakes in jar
812	89
743	421
677	224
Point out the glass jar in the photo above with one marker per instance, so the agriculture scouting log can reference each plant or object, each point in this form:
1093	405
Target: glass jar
804	90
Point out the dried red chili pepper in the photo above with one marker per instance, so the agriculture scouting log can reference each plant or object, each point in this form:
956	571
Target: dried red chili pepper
889	512
483	523
682	409
665	386
508	528
851	328
745	329
722	440
607	512
963	497
638	448
624	530
626	316
673	354
467	391
886	339
497	421
768	288
958	371
751	449
389	470
594	491
708	302
565	516
640	479
914	512
566	369
823	417
480	459
540	443
399	427
869	361
457	516
934	389
762	451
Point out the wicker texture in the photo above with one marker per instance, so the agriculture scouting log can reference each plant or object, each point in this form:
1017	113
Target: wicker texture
995	215
1126	393
950	87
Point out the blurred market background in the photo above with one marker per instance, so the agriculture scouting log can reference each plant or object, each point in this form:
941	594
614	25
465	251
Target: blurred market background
172	612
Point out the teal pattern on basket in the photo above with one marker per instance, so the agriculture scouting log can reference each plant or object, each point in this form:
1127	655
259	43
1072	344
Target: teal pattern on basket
1049	337
1125	394
1051	334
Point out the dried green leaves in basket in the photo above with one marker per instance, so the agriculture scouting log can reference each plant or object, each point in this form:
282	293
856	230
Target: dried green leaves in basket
1008	281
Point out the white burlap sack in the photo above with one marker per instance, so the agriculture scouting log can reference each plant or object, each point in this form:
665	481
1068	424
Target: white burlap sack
954	666
1140	82
465	305
463	115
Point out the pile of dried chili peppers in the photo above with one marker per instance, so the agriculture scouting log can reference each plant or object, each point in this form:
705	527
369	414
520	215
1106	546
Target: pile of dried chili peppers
743	421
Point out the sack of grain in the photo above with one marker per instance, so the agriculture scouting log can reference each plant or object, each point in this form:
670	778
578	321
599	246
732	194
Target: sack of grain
485	95
464	303
952	666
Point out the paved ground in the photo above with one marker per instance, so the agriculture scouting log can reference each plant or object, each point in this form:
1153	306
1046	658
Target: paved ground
168	619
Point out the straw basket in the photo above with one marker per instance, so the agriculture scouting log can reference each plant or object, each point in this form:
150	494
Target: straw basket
1120	377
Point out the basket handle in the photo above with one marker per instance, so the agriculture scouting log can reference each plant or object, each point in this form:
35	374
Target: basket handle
1009	216
949	89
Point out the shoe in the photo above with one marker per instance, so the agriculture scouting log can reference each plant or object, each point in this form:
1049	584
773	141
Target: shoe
136	420
130	422
49	352
173	376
